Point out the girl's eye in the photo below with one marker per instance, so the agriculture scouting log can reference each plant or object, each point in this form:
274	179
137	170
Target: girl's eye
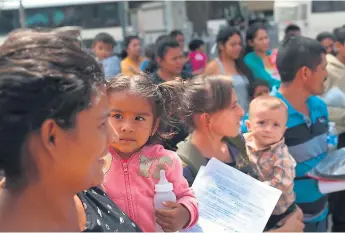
261	122
139	118
276	125
117	116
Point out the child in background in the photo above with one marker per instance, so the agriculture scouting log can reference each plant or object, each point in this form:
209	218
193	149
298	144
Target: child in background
103	46
257	88
267	151
150	57
140	112
197	56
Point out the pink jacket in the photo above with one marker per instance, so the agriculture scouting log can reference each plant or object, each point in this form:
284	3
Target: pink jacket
130	184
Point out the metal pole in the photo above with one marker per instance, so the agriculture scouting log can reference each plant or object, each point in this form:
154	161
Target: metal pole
22	18
123	12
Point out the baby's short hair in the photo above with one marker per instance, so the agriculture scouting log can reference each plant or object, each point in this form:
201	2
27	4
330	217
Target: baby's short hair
268	102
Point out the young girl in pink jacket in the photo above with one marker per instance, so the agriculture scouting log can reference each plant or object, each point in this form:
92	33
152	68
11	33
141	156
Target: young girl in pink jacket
141	113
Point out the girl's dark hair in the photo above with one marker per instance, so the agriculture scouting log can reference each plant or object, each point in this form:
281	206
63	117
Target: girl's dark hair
43	75
126	43
165	99
177	99
256	83
205	94
251	34
223	36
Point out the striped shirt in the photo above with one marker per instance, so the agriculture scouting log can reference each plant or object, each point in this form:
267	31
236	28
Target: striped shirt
306	138
275	167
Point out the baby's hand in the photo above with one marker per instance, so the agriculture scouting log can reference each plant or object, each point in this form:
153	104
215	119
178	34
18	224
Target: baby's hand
174	218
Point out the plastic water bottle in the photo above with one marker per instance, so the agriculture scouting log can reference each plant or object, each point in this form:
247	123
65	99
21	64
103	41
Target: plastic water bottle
332	138
163	193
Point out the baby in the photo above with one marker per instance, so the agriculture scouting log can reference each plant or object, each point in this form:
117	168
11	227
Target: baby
268	153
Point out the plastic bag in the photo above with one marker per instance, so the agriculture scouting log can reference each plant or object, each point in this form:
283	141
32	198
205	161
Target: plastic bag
332	167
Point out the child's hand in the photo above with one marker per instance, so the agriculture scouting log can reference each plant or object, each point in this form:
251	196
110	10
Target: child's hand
174	218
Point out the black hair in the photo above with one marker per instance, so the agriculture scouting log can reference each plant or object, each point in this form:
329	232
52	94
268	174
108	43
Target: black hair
256	83
44	75
126	43
195	44
292	27
161	37
164	44
150	51
335	30
165	99
222	37
177	99
205	94
340	35
175	33
251	34
295	53
325	35
105	38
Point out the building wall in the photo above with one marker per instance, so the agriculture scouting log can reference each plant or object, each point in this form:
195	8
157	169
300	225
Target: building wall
259	5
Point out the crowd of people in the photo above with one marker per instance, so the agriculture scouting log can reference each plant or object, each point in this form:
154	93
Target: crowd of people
84	135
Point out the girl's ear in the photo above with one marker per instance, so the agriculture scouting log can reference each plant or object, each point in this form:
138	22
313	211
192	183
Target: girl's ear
155	126
205	119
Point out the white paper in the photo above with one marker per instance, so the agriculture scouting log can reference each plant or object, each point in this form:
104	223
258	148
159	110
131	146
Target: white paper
326	187
231	201
334	97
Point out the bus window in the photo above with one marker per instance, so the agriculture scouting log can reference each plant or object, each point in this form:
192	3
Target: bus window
327	6
8	21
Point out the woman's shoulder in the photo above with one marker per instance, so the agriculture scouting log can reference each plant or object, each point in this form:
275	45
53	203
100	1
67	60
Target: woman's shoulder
250	57
104	215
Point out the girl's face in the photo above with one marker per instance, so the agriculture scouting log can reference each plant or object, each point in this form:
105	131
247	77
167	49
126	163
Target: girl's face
233	47
261	90
132	118
261	42
226	122
134	48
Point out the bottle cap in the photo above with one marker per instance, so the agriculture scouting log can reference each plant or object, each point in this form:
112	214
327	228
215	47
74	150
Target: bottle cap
331	123
163	185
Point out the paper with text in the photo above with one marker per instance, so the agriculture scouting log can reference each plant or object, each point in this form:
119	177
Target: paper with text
231	201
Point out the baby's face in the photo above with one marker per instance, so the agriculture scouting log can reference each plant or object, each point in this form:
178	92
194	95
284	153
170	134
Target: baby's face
268	126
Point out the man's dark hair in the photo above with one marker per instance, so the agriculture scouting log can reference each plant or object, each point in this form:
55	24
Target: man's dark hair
195	44
340	35
161	37
164	45
296	52
292	27
325	35
105	38
175	33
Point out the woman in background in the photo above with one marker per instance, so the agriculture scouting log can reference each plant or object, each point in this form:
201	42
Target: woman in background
259	57
230	63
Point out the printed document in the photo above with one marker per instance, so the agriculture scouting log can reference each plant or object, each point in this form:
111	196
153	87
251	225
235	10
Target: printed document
231	201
